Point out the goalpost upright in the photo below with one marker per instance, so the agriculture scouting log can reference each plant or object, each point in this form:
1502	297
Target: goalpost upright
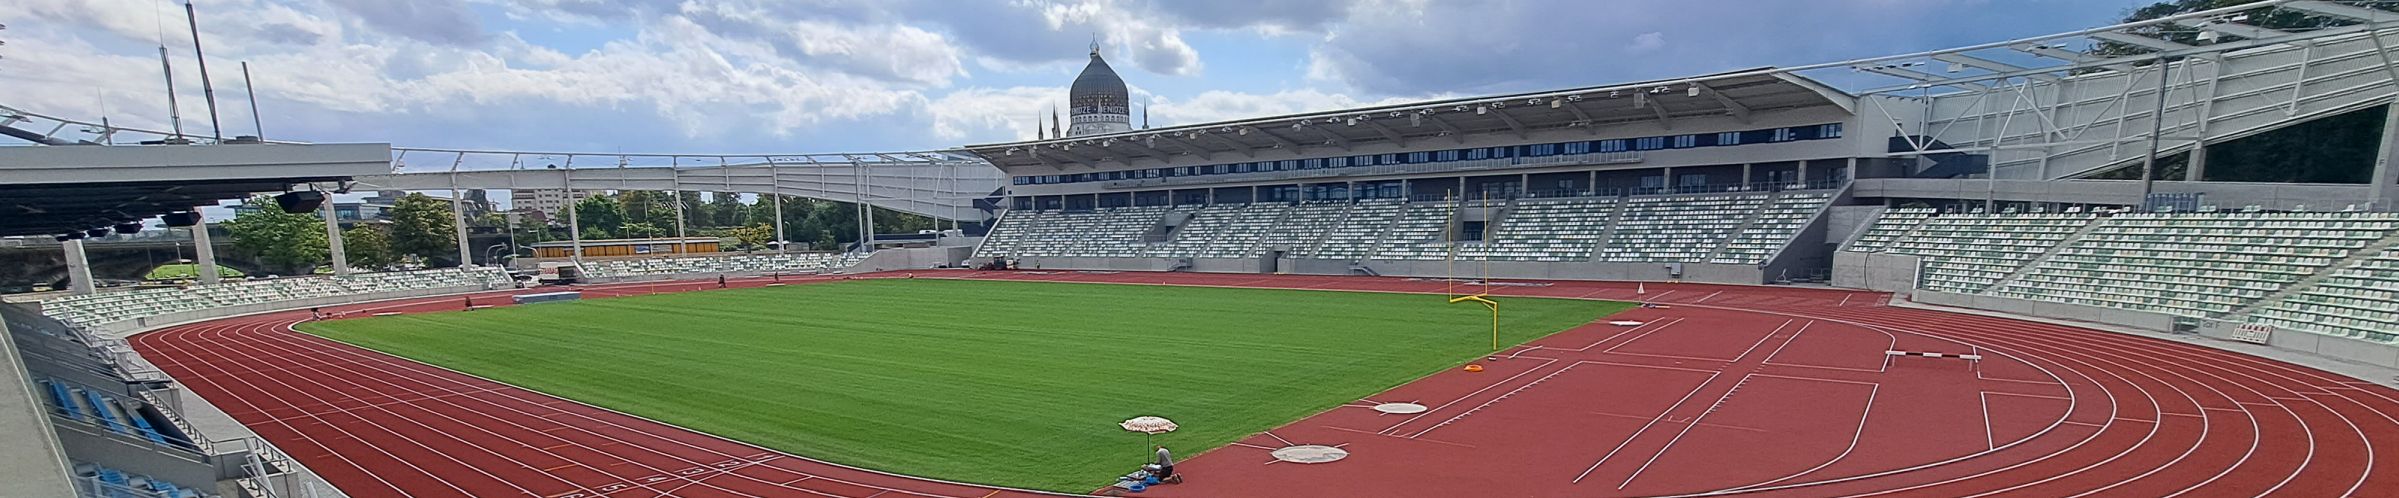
1452	280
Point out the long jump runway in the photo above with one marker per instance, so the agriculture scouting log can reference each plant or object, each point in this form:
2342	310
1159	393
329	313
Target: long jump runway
1723	390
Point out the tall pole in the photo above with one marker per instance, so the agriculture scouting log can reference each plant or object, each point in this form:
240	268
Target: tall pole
252	90
208	90
2157	130
677	197
174	109
774	173
333	240
204	251
574	227
858	186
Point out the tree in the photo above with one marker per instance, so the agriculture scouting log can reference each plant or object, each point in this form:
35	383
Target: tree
753	236
695	211
369	245
291	243
421	227
640	231
645	206
493	219
599	216
726	210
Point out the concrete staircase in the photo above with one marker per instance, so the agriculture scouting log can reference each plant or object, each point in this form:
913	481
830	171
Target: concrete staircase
2362	254
1746	223
2035	262
1615	218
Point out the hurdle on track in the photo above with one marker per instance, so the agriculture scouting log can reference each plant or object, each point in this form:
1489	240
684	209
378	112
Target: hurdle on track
1973	358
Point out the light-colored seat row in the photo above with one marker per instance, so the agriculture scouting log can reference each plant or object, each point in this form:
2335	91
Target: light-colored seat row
1419	233
107	307
1729	228
1104	233
1889	227
2360	301
1968	253
1554	230
2204	265
1773	228
806	262
1677	228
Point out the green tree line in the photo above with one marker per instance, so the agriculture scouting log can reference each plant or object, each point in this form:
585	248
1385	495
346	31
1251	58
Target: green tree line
421	231
814	223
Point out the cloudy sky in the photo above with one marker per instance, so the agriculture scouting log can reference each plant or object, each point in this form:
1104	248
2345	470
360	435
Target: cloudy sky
782	76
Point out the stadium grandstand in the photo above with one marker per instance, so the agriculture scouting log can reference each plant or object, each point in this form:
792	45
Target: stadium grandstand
2006	204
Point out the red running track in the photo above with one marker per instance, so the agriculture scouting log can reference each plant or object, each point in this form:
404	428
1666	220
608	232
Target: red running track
1732	389
1773	391
376	425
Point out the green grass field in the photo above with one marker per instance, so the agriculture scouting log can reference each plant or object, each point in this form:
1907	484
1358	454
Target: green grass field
1007	383
177	271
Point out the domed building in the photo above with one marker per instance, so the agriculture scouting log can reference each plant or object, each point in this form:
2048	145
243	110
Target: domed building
1098	103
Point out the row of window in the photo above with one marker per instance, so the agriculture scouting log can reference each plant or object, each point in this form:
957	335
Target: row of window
1730	138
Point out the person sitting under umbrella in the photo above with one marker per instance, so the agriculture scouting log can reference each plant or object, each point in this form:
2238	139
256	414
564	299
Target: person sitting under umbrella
1165	463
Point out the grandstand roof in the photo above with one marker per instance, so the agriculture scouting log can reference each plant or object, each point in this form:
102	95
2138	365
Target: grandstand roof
1735	94
57	189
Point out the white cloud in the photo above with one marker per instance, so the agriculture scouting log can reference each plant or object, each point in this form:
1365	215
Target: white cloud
1646	42
992	115
774	75
446	22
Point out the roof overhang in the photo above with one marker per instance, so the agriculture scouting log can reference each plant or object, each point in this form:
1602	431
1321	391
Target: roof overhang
49	190
1737	94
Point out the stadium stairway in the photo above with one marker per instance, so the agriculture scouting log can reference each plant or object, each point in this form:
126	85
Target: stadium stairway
1747	221
2371	251
2030	266
1615	219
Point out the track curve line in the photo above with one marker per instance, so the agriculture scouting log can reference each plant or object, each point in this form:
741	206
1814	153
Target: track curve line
2087	412
379	425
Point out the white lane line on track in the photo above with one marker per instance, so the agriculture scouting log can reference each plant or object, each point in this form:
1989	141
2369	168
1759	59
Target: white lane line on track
1578	478
511	394
1678	435
261	335
154	340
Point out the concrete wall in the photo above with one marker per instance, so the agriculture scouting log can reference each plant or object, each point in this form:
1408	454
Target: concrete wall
1846	221
34	464
913	258
2381	355
2095	314
1894	273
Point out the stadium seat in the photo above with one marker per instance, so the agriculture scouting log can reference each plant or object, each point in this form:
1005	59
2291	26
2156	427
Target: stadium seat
2204	265
1893	223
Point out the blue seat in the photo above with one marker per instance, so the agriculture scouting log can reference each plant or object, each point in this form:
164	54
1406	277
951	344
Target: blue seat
101	411
142	424
65	402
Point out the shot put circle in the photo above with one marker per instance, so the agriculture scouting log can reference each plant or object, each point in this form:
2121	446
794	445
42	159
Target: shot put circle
1310	453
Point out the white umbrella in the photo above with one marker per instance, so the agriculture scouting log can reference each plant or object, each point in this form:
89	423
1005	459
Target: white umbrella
1148	426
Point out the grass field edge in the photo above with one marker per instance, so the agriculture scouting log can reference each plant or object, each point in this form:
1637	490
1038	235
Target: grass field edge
1621	306
292	327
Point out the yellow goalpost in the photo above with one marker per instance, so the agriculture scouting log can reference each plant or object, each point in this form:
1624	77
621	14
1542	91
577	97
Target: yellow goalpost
1483	297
